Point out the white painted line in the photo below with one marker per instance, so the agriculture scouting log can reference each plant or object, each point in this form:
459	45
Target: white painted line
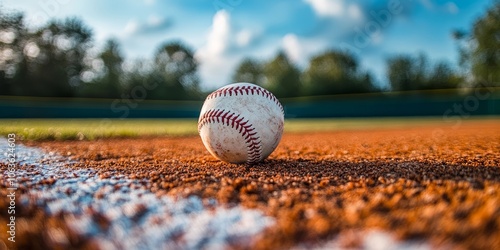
133	217
367	240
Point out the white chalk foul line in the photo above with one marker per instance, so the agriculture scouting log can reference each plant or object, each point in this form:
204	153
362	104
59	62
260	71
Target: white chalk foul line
367	240
130	216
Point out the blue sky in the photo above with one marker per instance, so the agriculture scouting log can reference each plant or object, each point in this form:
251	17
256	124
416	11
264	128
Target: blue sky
222	32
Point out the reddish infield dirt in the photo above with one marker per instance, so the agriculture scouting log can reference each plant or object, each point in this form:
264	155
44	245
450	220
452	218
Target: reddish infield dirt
433	183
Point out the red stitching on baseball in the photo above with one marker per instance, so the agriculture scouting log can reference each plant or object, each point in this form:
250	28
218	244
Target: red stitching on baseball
240	90
254	146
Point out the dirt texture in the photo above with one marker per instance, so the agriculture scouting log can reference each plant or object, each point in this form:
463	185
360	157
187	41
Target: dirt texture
439	184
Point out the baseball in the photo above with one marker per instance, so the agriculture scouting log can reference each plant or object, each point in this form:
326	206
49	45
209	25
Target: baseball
241	123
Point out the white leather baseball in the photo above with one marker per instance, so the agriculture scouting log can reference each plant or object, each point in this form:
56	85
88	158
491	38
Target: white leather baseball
240	123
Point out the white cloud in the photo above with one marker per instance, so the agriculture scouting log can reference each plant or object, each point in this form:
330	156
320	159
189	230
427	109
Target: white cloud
244	38
328	8
213	55
300	50
451	7
336	9
292	48
131	27
219	37
154	20
153	24
355	12
377	37
427	4
217	56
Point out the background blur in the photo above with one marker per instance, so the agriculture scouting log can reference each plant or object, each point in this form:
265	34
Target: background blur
322	58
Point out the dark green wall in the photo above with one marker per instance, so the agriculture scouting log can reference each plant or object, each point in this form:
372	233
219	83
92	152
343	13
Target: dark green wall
429	103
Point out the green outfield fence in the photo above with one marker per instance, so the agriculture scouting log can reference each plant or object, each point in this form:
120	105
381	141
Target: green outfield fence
478	101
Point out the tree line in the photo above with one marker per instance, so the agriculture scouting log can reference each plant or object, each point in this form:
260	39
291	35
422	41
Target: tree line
58	60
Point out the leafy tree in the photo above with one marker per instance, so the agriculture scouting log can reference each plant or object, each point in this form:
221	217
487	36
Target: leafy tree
480	48
414	73
405	73
13	64
45	62
53	60
57	67
282	77
485	51
463	62
250	71
109	84
336	72
443	76
175	71
112	59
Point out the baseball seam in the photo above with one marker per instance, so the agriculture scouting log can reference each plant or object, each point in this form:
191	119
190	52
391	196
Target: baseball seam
244	128
246	90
